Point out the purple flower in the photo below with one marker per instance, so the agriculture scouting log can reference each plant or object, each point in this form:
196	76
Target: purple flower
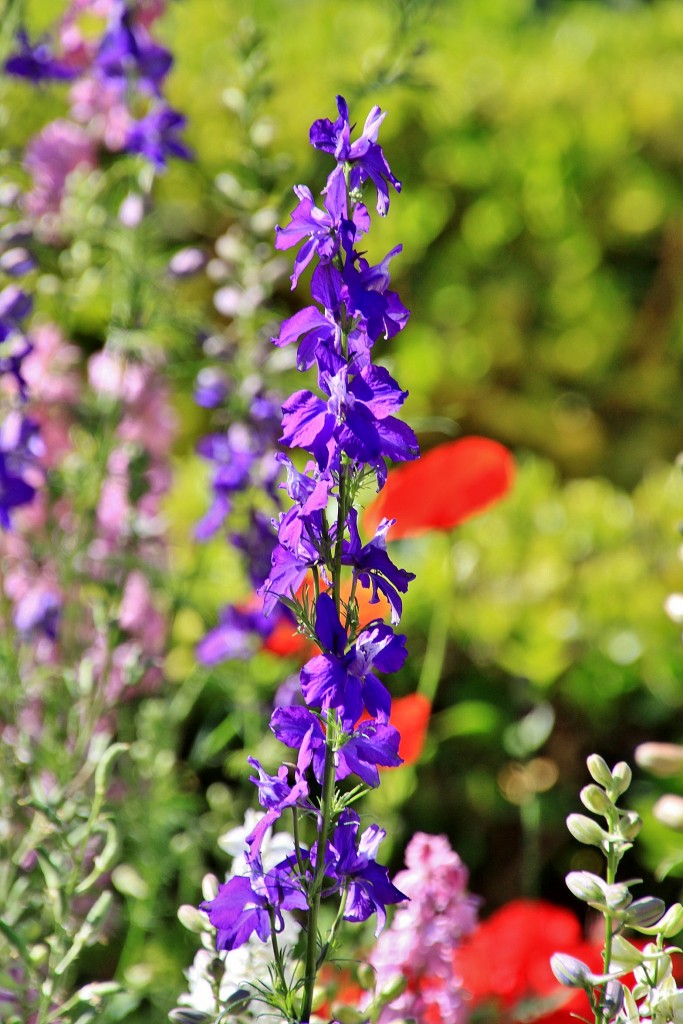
373	566
157	137
356	419
239	634
244	906
351	862
365	155
323	229
127	50
276	795
38	612
37	63
346	679
20	447
361	747
15	305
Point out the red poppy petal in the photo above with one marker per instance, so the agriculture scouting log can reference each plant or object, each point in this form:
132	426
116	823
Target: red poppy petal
443	488
410	715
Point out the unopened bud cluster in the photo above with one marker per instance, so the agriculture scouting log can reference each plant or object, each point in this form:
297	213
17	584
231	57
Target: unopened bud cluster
654	995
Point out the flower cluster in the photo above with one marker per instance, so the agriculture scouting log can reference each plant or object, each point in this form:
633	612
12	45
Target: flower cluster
419	945
349	428
116	94
654	994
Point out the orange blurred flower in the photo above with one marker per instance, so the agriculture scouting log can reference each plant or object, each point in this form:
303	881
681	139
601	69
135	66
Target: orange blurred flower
443	488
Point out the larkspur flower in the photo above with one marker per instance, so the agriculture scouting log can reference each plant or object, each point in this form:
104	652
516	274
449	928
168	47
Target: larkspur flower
351	429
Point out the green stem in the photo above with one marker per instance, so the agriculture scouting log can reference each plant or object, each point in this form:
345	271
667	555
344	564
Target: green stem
316	889
611	877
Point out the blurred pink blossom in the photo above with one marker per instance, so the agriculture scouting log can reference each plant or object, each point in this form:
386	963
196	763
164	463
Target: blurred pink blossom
51	156
424	933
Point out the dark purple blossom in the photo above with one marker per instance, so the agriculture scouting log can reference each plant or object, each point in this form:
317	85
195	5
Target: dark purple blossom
343	679
373	567
37	63
20	448
351	862
364	155
157	137
15	306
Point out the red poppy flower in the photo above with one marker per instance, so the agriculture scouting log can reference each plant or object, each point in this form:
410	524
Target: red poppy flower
506	962
443	488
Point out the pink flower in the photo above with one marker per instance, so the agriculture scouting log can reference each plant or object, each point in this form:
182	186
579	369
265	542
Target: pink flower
102	107
61	148
424	934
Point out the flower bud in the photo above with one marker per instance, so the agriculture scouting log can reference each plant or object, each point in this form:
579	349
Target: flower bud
612	999
394	989
183	1015
209	887
569	971
644	912
585	886
622	775
585	830
668	925
595	799
661	759
192	919
599	770
669	810
347	1015
366	975
629	825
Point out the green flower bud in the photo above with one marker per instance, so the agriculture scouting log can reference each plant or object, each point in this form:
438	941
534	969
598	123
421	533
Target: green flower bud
629	825
366	976
585	886
587	831
209	887
395	988
622	775
347	1015
595	799
599	770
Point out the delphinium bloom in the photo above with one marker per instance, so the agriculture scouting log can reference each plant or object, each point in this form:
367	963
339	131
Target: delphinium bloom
424	934
341	728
